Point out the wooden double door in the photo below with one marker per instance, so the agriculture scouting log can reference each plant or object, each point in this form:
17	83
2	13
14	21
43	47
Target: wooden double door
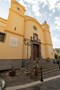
36	51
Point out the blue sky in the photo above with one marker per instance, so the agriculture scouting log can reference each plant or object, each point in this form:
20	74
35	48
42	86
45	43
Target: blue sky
42	10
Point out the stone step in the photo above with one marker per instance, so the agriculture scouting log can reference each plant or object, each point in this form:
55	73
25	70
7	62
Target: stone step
46	68
50	68
50	64
50	71
51	74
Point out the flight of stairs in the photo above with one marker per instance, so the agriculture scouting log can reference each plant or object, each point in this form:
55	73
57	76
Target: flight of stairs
49	69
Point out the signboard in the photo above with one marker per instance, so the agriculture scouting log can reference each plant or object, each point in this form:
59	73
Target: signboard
13	41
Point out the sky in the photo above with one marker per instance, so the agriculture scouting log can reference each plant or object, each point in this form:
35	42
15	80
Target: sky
42	10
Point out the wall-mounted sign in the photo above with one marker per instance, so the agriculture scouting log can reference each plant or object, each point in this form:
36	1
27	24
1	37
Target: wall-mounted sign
13	41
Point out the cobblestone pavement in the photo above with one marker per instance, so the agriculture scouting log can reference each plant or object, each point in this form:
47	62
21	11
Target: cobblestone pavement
20	78
49	85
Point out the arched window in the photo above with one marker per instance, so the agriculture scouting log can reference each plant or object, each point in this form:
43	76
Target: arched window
35	36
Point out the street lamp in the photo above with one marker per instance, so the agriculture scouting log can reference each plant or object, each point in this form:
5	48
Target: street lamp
27	43
41	69
41	72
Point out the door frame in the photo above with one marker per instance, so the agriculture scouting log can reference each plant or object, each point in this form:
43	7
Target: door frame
36	43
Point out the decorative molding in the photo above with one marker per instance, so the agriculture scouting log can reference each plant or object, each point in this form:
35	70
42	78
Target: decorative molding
17	13
13	33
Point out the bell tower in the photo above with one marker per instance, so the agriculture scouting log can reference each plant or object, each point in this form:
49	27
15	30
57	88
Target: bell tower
47	40
13	0
15	22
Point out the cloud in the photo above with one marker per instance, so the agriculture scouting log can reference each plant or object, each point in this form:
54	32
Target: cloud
55	38
35	9
57	22
50	15
53	4
58	6
22	2
56	42
8	0
32	1
35	6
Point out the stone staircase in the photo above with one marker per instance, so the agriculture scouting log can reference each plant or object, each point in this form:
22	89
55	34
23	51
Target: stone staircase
49	69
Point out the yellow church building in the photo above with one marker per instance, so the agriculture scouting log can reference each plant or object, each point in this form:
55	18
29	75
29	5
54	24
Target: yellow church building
23	37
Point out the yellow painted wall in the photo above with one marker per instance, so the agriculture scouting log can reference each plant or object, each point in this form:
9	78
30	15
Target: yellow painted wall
24	28
15	21
47	40
25	52
3	20
11	52
15	5
2	24
29	30
49	51
43	51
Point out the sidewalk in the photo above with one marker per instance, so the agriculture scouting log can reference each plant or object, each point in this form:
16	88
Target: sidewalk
48	84
22	80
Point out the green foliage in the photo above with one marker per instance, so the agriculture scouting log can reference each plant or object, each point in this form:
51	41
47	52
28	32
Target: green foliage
58	51
56	56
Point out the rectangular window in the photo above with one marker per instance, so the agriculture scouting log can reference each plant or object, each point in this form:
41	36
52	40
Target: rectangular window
2	37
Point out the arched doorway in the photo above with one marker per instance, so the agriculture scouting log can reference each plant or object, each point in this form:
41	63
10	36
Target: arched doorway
35	47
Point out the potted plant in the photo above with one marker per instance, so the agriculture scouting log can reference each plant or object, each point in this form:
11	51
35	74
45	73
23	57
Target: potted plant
12	72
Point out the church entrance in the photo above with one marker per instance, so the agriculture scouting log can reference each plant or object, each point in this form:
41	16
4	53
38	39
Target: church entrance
35	51
35	47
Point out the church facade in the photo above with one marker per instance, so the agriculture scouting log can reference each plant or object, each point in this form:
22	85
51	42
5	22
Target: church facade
23	37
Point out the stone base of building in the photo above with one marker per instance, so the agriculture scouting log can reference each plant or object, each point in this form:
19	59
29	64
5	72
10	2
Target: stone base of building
6	64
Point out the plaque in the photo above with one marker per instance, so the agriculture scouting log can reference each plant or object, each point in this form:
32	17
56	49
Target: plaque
14	41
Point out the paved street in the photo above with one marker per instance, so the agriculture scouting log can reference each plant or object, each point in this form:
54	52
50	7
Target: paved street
49	85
